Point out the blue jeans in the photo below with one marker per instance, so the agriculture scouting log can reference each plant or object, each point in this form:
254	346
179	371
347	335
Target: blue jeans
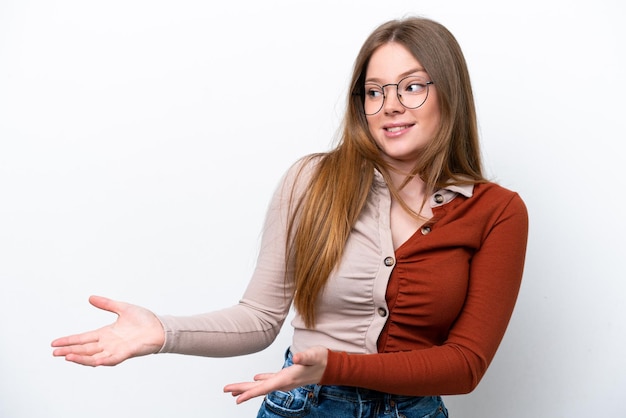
316	401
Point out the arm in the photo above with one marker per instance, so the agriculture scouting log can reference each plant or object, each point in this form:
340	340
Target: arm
249	326
454	367
255	321
459	363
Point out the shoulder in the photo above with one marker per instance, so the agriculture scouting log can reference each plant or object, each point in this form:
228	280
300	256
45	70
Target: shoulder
490	190
297	177
305	165
301	171
493	198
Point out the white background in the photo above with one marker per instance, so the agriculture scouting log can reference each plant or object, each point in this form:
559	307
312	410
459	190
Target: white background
140	142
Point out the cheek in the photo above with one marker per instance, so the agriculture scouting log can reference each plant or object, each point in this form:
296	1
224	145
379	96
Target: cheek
371	124
435	121
431	118
435	112
374	131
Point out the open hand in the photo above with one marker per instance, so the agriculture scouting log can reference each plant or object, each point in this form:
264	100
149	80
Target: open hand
308	368
136	332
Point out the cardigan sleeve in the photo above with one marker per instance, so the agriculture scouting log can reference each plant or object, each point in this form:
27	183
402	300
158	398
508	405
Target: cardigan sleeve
457	365
252	324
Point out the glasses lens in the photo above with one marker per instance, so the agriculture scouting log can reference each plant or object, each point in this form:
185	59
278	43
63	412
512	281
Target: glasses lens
413	92
374	98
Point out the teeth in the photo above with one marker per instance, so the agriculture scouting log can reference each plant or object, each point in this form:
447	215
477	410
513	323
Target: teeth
395	128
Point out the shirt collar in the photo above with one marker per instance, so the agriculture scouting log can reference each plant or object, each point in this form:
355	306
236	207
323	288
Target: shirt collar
441	196
466	190
449	192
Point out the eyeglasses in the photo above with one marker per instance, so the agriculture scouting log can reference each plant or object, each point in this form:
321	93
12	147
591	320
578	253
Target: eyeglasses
412	92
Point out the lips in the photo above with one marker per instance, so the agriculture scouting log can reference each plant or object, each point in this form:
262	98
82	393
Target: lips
396	128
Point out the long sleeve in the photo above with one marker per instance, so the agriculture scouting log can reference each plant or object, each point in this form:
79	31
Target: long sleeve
255	321
491	229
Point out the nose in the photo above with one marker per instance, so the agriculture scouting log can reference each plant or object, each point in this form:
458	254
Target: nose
392	101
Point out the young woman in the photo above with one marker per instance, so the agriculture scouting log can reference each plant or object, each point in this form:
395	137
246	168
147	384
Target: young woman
402	261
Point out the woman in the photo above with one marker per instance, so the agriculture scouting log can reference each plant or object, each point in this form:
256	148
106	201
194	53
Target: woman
403	262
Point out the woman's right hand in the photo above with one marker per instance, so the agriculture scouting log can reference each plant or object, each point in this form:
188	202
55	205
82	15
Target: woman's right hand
136	332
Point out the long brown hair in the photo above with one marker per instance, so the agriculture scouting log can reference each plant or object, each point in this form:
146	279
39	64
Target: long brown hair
324	216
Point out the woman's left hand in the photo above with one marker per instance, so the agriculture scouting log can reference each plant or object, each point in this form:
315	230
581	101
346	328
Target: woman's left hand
307	369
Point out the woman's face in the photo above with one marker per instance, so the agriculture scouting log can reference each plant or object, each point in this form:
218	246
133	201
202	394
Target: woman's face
400	133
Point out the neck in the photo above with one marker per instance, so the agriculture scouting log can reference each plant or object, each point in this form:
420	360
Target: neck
399	176
412	192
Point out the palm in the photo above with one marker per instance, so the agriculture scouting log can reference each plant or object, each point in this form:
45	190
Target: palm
136	332
308	368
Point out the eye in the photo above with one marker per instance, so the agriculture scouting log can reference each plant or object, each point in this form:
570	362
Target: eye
373	92
414	86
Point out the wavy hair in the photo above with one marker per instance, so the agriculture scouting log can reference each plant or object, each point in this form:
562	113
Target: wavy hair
325	214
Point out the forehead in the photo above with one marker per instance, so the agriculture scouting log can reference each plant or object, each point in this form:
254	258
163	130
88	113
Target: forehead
390	61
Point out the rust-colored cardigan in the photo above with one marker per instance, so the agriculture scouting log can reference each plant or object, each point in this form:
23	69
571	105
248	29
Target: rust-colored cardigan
450	296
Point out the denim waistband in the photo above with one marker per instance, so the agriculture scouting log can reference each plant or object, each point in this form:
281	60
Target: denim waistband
354	394
349	393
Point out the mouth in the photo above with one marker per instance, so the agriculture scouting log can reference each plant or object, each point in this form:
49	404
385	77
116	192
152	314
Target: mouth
397	128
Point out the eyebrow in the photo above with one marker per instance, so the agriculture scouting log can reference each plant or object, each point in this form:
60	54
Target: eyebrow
403	75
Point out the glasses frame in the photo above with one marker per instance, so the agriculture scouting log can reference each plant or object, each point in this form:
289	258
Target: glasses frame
398	95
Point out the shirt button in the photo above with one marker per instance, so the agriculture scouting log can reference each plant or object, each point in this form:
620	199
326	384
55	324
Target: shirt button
389	261
438	198
425	230
382	312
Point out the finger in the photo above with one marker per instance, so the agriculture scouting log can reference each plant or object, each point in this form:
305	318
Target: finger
81	350
102	358
302	358
80	359
259	390
77	339
312	356
239	387
105	304
263	376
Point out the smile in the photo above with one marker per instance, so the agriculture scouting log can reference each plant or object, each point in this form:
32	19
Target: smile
397	128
